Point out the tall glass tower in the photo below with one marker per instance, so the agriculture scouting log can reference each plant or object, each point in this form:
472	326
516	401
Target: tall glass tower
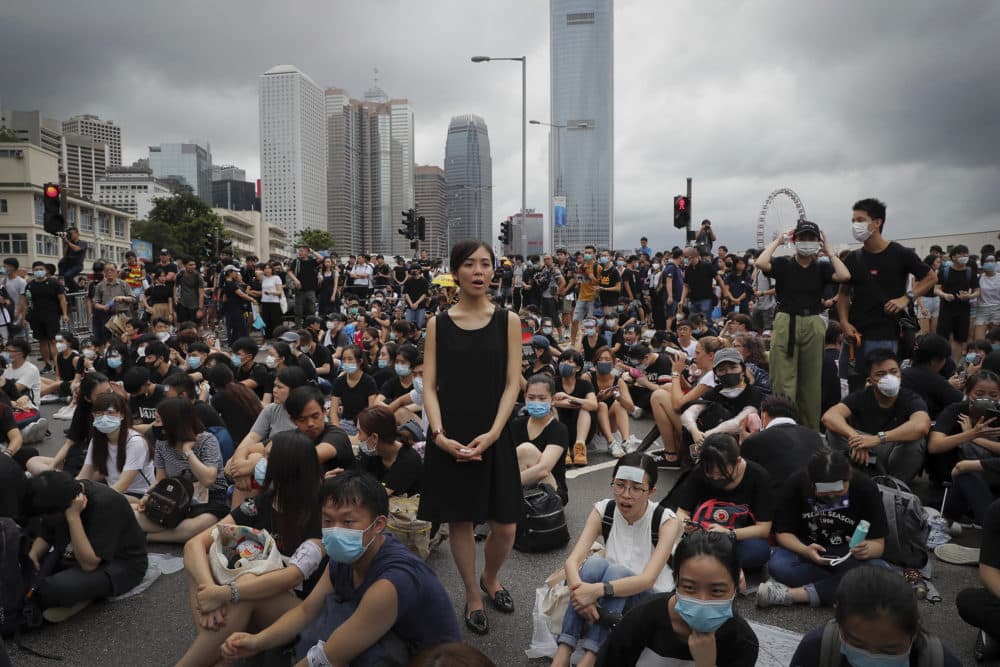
469	172
581	60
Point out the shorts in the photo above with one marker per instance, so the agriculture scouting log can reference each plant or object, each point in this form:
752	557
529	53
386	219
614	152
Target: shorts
349	426
583	310
932	304
44	326
954	322
987	314
550	308
567	306
65	388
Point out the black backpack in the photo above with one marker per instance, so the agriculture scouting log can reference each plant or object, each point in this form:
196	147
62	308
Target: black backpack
931	649
609	519
169	501
543	527
19	610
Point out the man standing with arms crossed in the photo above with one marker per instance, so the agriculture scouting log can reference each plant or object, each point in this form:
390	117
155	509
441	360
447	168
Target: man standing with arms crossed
303	273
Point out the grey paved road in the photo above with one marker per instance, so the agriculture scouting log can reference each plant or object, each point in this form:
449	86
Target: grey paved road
154	628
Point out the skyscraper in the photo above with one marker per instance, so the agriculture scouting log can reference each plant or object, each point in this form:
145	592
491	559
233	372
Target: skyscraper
84	160
431	200
468	169
581	57
292	150
107	131
190	161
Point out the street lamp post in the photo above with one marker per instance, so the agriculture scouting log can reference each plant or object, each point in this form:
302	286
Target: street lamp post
558	192
524	136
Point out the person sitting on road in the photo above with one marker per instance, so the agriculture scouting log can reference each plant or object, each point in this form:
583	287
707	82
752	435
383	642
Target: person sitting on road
88	544
694	625
782	447
117	455
185	449
729	494
353	390
877	623
930	355
393	391
286	508
393	462
883	427
635	561
376	600
614	403
69	368
816	520
235	402
333	446
575	403
980	607
541	439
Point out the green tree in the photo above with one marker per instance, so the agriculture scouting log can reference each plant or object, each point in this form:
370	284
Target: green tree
190	221
8	135
317	239
157	233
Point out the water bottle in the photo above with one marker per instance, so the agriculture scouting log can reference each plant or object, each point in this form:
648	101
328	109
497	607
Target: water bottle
860	533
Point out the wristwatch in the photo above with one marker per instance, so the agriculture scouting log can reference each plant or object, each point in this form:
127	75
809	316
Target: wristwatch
609	591
882	438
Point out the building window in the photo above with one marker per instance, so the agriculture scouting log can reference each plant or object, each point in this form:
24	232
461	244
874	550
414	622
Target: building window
3	205
46	245
580	18
39	211
119	228
86	220
103	224
14	244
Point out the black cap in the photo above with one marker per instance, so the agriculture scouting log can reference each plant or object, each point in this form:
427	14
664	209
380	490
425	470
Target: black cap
806	227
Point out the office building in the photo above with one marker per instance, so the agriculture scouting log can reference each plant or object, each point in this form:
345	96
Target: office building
84	161
581	57
235	195
131	189
105	131
252	236
527	236
430	186
228	172
191	162
24	169
292	150
468	168
35	129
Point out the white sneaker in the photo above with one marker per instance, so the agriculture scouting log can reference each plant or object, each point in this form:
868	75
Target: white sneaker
632	444
772	593
637	413
617	450
60	614
65	412
50	398
33	433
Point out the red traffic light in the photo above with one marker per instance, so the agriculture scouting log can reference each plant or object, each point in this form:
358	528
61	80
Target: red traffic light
682	203
52	191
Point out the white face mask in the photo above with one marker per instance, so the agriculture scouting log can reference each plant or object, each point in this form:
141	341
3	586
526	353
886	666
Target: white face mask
961	260
860	231
656	267
807	248
889	385
60	347
270	361
733	392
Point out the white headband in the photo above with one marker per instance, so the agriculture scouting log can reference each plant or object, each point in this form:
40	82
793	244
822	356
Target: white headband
631	474
830	487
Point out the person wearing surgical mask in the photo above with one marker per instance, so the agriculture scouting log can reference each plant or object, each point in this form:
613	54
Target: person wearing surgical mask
883	427
738	400
988	304
796	366
958	286
69	367
541	438
870	305
353	390
697	623
877	624
397	466
822	511
575	403
117	455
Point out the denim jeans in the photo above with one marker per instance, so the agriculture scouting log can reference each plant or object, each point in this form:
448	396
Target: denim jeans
703	306
754	553
971	494
389	650
820	581
596	570
416	316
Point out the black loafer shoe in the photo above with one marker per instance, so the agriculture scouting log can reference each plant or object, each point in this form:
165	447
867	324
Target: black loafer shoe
476	621
502	601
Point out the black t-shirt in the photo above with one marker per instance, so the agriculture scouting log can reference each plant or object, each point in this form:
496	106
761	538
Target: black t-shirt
393	388
381	273
630	279
662	366
233	302
876	277
799	289
13	484
68	366
505	275
797	512
258	512
869	417
404	475
568	415
809	652
354	399
609	277
156	377
554	433
399	273
320	357
259	374
45	297
416	288
989	552
114	534
336	436
143	406
754	492
934	389
782	450
158	294
646	636
751	396
306	270
237	420
700	278
955	280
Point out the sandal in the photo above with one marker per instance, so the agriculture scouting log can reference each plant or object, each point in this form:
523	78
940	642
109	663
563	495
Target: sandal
501	600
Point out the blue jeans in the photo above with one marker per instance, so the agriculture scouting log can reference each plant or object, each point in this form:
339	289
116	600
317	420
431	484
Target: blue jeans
819	581
417	316
843	362
596	570
389	650
754	553
703	306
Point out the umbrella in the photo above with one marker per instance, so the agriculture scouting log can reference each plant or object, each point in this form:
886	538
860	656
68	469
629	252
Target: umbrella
444	280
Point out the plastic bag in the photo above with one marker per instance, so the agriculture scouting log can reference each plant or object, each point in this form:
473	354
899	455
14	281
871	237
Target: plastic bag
237	550
414	533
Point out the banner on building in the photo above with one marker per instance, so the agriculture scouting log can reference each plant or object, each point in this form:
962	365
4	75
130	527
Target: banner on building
559	211
143	250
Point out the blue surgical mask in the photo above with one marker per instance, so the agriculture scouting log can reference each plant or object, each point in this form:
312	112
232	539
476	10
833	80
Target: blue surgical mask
383	363
402	370
859	658
345	545
587	257
260	471
392	337
971	357
114	362
990	267
5	356
349	368
704	615
538	408
237	360
418	384
194	362
948	263
604	367
566	370
39	274
107	423
620	263
366	448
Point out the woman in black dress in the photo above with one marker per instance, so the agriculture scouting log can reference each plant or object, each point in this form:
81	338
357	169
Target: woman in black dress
472	368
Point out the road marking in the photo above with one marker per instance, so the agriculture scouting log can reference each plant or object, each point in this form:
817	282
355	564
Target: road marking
576	472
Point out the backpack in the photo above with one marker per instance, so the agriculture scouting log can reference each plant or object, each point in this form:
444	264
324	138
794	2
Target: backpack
722	513
946	271
543	526
906	542
931	649
609	518
226	444
18	609
169	501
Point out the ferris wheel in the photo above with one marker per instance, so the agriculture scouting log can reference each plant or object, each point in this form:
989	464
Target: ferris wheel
768	228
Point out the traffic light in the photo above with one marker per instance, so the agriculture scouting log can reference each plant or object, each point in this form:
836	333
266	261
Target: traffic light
504	237
53	220
682	211
413	244
409	229
226	245
422	228
211	244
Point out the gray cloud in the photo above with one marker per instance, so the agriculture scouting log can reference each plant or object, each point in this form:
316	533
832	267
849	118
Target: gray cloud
835	100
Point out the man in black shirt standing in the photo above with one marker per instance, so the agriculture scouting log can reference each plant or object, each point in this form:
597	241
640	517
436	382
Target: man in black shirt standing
870	305
48	302
416	294
698	278
958	285
303	273
381	273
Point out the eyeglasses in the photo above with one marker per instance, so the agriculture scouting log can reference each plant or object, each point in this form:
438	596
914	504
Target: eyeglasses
620	487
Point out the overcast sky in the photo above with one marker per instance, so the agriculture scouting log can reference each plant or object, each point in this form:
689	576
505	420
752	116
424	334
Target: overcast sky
837	100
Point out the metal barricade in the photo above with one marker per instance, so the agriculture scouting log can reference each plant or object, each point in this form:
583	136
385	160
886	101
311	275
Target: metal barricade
79	316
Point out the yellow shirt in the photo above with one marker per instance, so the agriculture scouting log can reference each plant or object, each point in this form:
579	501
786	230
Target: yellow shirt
588	282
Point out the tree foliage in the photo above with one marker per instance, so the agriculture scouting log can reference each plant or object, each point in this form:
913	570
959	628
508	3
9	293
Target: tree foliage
184	223
157	233
317	239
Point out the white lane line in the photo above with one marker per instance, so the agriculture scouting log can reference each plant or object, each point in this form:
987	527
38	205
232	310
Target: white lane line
576	472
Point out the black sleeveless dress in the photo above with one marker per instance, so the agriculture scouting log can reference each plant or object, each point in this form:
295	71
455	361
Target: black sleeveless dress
471	375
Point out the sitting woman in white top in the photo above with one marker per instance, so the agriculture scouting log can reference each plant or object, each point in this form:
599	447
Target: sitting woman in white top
117	455
638	536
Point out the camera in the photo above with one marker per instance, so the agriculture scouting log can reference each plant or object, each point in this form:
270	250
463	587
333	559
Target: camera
984	408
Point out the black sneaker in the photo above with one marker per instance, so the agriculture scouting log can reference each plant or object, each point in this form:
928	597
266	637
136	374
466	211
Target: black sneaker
662	461
47	369
986	647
